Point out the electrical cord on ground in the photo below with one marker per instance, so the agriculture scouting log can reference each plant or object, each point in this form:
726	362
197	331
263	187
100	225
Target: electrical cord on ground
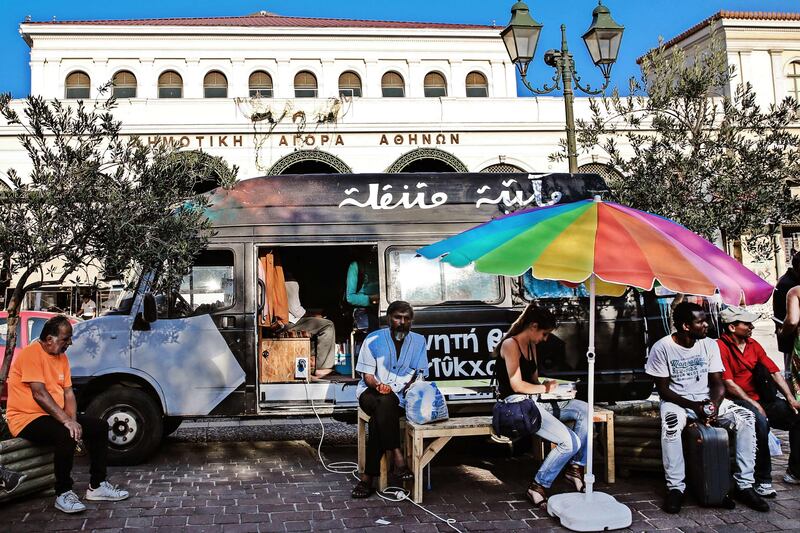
390	494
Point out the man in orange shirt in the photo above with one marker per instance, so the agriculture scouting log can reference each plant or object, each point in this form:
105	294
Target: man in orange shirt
43	410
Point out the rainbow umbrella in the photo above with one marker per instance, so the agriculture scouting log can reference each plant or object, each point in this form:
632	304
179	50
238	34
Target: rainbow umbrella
619	245
609	247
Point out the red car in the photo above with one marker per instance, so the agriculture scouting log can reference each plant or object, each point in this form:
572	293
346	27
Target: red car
28	329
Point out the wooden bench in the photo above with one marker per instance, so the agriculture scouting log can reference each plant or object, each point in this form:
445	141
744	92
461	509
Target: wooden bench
421	454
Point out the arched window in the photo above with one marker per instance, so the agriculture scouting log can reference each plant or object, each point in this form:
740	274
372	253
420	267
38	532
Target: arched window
124	85
476	85
794	80
349	84
260	85
607	172
502	168
215	85
170	85
435	85
77	85
392	85
305	85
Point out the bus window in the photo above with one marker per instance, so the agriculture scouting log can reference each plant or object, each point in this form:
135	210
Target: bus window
207	288
421	281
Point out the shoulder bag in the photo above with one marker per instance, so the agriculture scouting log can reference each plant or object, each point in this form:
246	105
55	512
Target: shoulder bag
515	419
516	416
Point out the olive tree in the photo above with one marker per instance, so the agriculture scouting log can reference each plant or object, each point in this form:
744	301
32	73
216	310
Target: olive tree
96	199
717	163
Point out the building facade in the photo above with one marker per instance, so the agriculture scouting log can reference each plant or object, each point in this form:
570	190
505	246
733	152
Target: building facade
278	95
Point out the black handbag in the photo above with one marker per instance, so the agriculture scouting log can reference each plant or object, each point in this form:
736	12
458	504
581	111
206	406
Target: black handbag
516	419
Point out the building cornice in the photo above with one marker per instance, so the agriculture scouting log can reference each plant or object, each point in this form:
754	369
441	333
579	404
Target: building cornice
761	20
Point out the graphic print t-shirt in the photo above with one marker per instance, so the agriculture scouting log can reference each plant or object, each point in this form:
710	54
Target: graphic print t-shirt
687	368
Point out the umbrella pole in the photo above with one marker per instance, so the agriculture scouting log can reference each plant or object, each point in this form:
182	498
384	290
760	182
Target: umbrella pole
592	511
589	475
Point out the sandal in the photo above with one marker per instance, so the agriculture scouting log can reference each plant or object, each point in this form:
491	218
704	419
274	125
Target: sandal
574	474
403	473
362	490
537	495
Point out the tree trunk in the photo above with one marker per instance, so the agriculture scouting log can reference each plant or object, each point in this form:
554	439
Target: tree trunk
11	340
5	279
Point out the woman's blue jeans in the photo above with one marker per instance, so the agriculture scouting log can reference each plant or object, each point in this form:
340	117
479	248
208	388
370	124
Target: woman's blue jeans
568	444
572	412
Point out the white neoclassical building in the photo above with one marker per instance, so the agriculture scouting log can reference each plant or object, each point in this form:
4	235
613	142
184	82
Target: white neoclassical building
275	94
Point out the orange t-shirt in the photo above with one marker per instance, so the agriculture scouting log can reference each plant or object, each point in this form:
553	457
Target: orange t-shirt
33	364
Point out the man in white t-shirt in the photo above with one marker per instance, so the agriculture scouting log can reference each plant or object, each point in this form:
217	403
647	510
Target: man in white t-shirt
688	373
88	308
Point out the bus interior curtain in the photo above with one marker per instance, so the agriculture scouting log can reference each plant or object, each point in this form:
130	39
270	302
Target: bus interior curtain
276	309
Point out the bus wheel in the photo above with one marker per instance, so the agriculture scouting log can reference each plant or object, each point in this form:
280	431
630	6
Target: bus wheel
134	423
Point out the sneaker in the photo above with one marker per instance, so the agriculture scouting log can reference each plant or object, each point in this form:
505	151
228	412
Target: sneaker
790	478
10	480
69	502
106	492
765	490
674	501
749	497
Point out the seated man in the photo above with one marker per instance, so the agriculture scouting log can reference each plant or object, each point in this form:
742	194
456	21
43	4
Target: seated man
320	328
389	361
43	410
740	354
10	480
688	373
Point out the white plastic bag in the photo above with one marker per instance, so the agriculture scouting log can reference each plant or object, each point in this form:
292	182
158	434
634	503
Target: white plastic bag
425	403
774	445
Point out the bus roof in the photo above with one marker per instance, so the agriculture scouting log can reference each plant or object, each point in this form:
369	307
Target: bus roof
371	204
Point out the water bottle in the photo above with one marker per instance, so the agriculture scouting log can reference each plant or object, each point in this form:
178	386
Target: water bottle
709	408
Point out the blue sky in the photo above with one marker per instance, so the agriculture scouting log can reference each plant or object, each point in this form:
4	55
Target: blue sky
644	21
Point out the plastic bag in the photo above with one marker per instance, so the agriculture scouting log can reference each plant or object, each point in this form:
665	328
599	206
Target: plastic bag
774	445
425	403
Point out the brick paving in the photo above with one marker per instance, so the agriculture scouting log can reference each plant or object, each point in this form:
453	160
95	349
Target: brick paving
280	486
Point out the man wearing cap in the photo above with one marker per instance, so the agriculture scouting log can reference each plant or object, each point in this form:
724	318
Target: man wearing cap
740	356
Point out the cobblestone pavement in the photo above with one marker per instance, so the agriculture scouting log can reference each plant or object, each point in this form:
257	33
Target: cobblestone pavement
257	485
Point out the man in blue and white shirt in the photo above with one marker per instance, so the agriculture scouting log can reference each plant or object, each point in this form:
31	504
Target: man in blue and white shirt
390	359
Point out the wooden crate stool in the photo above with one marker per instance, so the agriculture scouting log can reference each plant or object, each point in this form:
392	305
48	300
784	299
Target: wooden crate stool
363	420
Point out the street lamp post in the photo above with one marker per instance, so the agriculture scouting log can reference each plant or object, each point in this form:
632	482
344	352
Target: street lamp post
602	40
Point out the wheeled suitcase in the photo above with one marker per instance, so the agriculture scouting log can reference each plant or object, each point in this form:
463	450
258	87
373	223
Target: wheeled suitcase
708	463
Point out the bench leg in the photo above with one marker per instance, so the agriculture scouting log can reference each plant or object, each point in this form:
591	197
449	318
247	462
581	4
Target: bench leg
610	452
417	466
362	444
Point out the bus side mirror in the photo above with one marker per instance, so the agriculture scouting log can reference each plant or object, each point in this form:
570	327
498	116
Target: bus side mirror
149	312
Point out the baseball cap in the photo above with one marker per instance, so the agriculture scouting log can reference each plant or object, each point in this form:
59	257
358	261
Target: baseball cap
729	315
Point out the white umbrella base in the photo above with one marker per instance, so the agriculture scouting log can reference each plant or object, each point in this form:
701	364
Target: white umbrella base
580	513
